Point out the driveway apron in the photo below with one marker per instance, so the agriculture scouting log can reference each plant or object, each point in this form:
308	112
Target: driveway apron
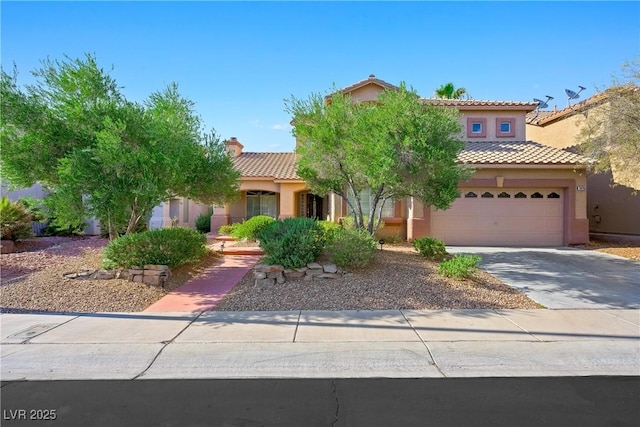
564	277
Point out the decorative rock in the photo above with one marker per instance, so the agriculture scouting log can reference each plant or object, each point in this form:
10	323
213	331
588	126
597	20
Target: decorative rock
268	268
260	275
280	279
314	266
308	278
330	268
135	277
312	272
86	275
70	275
329	276
154	273
122	274
302	269
156	267
265	282
294	274
7	246
151	280
105	275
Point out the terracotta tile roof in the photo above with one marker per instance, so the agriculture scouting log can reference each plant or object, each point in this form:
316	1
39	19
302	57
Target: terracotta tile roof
532	117
517	153
267	165
480	104
597	99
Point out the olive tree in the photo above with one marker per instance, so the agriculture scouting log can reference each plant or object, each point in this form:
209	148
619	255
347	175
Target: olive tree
100	154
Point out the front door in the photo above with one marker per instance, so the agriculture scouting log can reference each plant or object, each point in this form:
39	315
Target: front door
314	206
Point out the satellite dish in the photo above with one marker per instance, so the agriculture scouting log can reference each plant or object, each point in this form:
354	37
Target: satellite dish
543	104
573	95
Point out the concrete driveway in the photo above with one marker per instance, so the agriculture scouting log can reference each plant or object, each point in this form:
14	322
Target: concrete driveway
564	277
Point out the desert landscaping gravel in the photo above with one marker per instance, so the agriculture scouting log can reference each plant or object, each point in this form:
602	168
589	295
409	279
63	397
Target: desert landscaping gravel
32	280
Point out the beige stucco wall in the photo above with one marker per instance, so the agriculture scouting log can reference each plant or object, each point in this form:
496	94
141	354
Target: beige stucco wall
612	209
369	92
491	116
288	199
560	134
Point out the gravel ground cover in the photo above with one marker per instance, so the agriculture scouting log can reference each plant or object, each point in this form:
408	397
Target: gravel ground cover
398	279
32	281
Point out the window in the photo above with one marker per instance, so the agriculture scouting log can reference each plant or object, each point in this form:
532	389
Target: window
504	195
388	209
520	195
487	195
476	127
261	203
505	127
470	194
553	195
537	195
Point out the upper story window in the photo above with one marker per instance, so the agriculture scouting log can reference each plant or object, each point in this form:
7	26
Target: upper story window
505	127
476	127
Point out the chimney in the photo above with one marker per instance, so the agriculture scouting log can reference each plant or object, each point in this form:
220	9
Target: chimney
234	147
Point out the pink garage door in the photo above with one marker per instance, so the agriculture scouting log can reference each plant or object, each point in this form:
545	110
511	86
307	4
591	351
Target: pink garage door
502	217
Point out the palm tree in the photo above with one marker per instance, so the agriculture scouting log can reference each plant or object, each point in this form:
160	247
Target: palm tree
449	91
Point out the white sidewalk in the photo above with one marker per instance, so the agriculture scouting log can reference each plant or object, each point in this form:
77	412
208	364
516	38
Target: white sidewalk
326	344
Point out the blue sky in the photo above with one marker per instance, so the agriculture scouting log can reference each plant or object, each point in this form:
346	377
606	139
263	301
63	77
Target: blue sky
238	61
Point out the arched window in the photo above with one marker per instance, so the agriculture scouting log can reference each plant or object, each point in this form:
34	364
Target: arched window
504	195
537	195
487	195
471	195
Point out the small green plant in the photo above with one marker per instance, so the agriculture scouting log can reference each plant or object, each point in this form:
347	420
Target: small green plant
203	223
430	248
460	266
227	229
292	242
15	219
351	248
251	227
167	246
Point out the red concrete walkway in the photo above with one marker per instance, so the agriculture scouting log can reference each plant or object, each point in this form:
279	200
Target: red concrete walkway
205	291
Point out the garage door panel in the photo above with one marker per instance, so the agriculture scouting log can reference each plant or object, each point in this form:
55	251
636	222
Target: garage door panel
502	220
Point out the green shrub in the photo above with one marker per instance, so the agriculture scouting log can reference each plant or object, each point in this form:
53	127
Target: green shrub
460	266
35	206
167	246
250	228
227	229
203	223
292	242
330	229
351	248
15	219
430	248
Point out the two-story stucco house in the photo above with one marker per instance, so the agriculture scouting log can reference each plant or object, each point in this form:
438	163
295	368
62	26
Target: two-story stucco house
522	193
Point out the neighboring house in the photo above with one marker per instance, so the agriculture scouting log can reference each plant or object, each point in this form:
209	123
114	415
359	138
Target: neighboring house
610	208
37	192
522	193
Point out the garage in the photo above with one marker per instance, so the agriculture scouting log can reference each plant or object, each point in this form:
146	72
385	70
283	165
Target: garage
502	217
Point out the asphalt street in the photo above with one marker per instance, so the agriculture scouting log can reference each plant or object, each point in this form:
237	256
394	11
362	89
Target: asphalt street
557	401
